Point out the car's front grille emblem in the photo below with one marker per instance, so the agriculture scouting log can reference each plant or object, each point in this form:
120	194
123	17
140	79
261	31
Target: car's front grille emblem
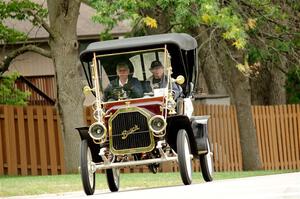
125	133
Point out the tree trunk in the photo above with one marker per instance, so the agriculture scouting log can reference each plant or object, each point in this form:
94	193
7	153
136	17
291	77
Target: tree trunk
268	87
248	139
260	87
63	15
208	63
277	90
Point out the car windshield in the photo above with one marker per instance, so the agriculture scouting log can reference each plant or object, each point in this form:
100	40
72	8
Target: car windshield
136	74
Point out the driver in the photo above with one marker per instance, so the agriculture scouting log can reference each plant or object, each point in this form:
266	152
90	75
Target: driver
124	86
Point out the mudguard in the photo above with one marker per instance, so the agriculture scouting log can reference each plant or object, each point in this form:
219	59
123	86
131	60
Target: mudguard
199	126
83	132
95	148
174	124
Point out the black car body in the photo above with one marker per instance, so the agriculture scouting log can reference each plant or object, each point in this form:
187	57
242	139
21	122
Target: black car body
154	128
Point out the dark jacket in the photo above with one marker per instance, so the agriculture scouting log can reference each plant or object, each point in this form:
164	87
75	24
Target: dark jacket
163	84
133	89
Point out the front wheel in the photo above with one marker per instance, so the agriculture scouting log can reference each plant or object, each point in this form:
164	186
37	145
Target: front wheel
206	163
184	157
87	168
113	179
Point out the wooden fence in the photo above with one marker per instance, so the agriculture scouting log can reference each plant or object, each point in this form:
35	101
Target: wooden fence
278	133
30	141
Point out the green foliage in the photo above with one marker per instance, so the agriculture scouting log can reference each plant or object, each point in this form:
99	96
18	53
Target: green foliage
282	46
257	54
110	13
225	18
293	86
263	30
9	94
19	10
10	35
182	15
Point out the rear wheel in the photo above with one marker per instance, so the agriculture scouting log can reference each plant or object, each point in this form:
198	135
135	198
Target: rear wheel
87	168
206	163
184	157
113	179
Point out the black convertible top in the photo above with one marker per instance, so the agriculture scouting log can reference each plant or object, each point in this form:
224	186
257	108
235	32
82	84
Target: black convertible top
181	40
181	47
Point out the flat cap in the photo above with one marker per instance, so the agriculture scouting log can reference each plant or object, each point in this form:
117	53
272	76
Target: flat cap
155	63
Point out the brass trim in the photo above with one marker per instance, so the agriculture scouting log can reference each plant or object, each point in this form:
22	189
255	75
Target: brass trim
132	150
103	137
180	79
127	103
154	117
160	134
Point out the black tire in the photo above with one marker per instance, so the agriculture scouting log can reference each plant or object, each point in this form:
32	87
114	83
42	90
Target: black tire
113	179
87	173
184	160
206	163
153	167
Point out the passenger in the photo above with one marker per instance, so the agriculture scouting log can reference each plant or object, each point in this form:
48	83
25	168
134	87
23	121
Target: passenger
124	86
160	80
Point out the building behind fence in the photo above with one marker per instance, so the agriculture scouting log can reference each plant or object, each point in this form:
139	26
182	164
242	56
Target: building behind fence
31	142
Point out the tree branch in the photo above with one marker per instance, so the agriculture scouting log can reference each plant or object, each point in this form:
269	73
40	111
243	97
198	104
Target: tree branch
42	22
260	11
4	64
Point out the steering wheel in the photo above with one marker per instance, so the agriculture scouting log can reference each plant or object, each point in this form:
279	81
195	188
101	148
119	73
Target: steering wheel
119	93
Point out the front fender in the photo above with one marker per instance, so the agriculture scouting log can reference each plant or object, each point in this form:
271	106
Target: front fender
83	132
174	124
95	148
199	126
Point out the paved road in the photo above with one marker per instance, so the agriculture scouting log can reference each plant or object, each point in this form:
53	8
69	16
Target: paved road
282	186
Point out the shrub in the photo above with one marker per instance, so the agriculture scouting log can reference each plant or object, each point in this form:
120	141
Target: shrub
9	94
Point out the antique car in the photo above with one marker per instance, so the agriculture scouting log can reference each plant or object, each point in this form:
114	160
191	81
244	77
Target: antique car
156	127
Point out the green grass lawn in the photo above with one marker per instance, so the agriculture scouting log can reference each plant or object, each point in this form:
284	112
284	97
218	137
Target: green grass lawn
32	185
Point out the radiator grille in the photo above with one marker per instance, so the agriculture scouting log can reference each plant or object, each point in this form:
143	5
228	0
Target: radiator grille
130	132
